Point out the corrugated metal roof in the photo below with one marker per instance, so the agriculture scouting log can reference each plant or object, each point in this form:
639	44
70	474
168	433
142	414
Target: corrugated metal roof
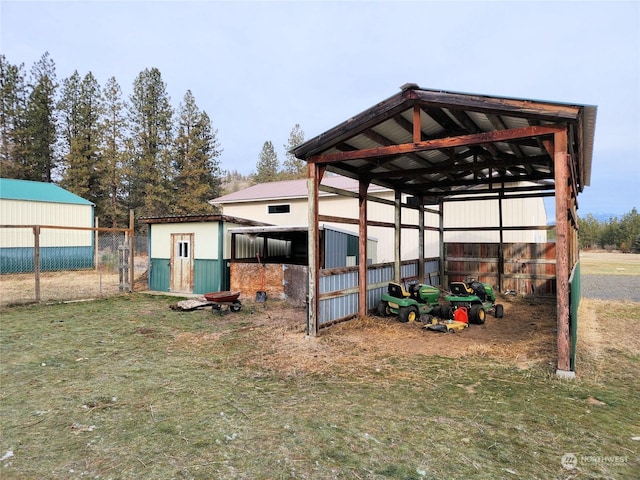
27	190
462	140
288	189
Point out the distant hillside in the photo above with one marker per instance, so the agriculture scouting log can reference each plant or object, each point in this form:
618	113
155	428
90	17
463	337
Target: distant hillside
234	182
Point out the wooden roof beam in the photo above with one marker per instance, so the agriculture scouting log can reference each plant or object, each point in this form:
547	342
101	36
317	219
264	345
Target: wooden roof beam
449	142
499	106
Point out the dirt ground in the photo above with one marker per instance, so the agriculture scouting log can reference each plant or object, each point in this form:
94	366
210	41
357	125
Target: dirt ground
525	337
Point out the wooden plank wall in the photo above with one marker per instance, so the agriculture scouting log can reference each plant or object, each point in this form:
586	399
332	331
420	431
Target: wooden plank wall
527	268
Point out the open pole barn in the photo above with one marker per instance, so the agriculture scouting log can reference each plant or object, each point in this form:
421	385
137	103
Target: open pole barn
44	220
434	146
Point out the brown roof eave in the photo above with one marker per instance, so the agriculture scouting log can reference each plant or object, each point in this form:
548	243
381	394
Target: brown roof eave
201	218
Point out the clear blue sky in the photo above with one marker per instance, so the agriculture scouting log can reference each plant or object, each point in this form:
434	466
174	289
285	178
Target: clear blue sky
258	68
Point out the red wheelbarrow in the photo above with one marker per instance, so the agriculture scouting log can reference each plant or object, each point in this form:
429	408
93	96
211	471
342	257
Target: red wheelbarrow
215	300
218	299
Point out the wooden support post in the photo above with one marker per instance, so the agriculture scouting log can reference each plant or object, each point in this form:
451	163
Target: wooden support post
313	180
397	237
132	263
441	241
501	244
421	273
417	126
36	259
362	247
561	177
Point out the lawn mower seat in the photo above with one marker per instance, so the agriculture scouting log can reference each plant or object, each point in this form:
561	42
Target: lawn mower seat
479	290
460	289
396	290
414	292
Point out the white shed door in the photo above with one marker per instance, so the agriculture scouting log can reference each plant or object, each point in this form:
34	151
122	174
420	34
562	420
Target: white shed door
181	266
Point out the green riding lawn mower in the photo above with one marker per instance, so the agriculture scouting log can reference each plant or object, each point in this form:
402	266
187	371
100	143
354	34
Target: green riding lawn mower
408	304
416	300
477	297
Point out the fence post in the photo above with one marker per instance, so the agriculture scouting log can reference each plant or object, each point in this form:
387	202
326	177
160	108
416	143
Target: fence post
131	250
96	247
36	259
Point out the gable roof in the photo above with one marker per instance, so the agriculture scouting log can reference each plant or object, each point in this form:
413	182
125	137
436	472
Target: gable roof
435	143
27	190
287	189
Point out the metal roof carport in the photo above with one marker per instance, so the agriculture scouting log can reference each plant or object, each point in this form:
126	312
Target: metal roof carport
433	144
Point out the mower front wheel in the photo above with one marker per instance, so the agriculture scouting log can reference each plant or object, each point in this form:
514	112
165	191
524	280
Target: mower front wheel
383	309
408	314
499	310
478	315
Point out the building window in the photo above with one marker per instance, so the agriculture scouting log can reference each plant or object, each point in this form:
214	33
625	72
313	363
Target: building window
272	209
183	249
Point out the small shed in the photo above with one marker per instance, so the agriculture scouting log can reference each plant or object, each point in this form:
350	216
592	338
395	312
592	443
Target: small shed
31	210
191	253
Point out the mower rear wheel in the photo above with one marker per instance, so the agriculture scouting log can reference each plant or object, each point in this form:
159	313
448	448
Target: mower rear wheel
478	315
446	311
499	310
408	314
383	309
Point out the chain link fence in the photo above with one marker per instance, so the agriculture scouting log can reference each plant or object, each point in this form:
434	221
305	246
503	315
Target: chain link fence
50	264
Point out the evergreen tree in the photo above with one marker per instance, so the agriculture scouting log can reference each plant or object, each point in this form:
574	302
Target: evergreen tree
40	121
13	135
267	166
114	149
150	172
590	232
197	150
294	167
80	108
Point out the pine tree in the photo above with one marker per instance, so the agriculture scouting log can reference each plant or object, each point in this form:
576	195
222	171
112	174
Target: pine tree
294	167
114	148
150	173
13	135
267	166
80	109
196	155
40	121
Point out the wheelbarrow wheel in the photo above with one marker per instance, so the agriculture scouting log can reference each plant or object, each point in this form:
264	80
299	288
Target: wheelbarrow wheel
236	306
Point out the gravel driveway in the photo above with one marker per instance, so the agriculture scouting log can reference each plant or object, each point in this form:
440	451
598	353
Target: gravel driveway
611	287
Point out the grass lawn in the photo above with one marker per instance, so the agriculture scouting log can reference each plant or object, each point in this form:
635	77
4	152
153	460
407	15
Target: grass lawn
601	263
126	388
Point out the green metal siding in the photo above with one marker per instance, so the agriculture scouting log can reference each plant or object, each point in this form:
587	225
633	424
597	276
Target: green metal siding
159	277
20	259
205	273
211	276
575	294
206	277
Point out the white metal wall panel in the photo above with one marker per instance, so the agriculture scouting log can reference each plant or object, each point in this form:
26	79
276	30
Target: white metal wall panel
20	212
485	213
205	239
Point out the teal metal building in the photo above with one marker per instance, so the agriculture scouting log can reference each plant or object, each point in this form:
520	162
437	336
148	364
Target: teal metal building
25	204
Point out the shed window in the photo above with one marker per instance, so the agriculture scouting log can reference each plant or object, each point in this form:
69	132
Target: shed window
183	249
285	208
